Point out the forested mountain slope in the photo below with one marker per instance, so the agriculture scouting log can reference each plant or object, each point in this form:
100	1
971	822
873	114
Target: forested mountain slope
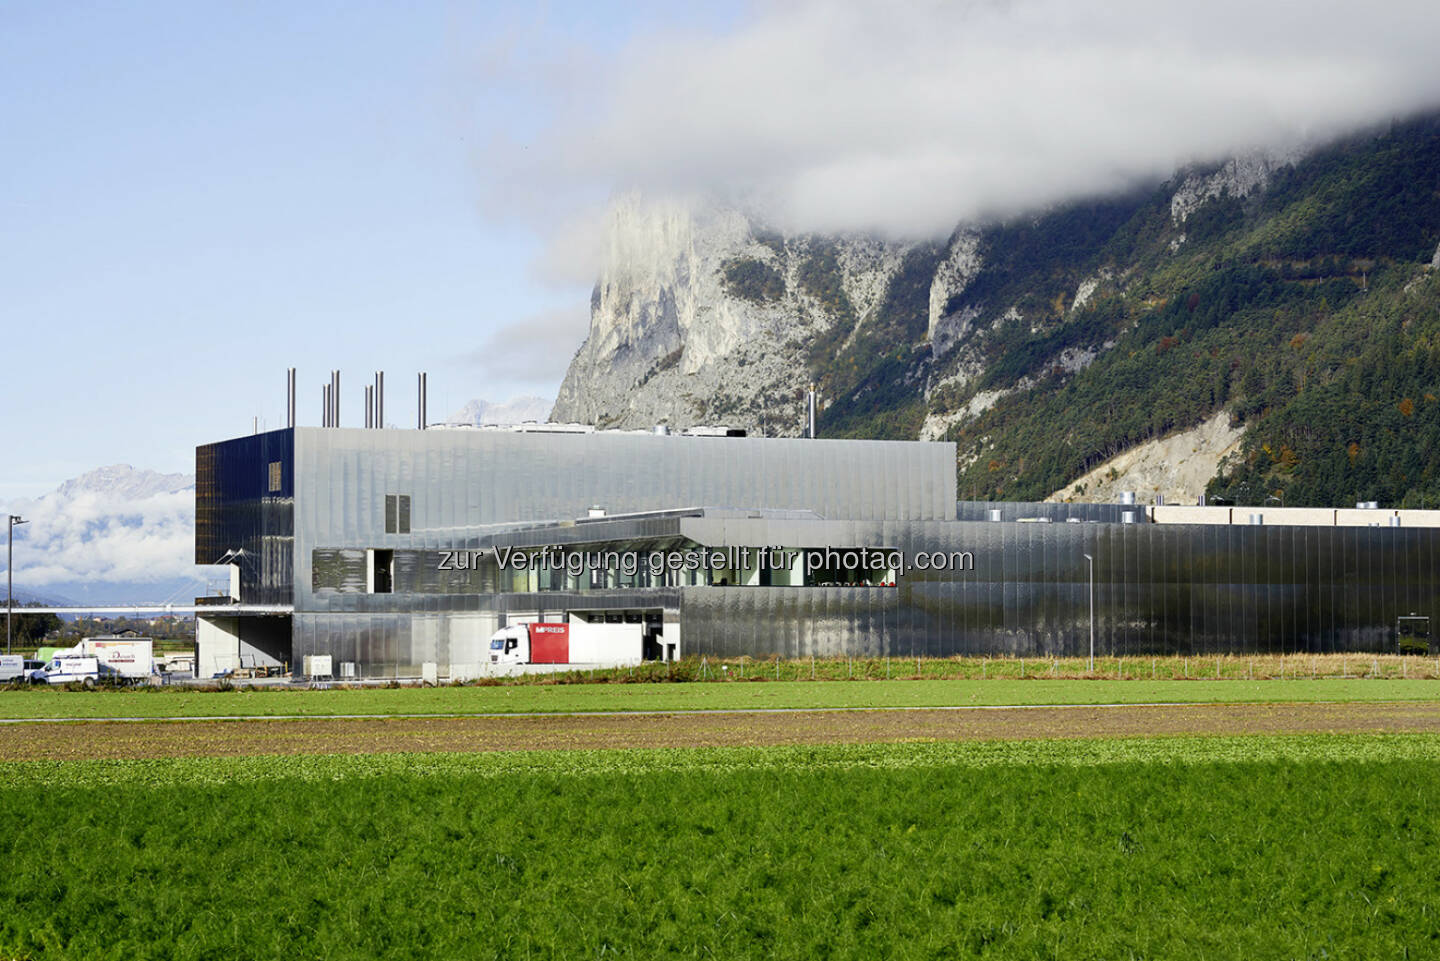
1309	310
1298	294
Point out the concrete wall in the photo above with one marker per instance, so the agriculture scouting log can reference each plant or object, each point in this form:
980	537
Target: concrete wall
217	645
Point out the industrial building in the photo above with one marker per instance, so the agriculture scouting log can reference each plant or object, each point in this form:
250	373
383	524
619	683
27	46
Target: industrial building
400	552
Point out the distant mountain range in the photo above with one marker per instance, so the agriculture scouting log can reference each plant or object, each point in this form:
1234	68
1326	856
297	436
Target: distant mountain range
517	410
115	535
24	598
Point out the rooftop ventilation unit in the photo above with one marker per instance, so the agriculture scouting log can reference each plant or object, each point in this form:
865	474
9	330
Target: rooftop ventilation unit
715	432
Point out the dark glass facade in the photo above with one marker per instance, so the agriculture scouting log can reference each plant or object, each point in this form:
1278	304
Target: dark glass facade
245	512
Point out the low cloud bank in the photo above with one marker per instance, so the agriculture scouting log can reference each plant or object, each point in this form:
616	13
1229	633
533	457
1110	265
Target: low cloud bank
908	118
115	525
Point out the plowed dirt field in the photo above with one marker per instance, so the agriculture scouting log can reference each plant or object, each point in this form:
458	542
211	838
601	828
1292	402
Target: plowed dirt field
160	739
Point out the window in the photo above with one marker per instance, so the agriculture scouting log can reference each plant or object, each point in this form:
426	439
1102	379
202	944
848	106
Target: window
274	477
382	572
397	513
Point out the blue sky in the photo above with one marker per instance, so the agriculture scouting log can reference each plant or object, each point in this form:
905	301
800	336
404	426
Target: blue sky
196	196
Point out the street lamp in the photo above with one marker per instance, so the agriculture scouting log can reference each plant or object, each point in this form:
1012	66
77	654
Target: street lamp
10	576
1092	612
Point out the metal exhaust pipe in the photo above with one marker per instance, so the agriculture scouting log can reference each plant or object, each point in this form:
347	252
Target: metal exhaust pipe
422	386
290	397
380	400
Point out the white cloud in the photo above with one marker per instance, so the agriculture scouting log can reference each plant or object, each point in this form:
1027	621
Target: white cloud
908	117
105	535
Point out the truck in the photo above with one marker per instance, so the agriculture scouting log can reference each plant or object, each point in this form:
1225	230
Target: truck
120	659
69	668
574	642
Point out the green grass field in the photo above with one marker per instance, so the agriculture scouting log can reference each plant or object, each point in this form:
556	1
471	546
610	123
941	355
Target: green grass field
180	702
1238	847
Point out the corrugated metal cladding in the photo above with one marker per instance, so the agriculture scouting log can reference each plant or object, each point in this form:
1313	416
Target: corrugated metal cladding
1159	589
315	542
245	502
461	482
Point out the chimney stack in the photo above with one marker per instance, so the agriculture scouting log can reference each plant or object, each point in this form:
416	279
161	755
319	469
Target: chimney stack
290	397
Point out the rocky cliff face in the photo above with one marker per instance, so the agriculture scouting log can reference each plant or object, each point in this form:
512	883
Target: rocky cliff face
1045	345
704	316
707	316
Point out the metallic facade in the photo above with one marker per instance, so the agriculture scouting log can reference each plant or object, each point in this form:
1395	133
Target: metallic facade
1159	589
311	531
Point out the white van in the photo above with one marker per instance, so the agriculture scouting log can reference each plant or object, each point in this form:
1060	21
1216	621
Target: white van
66	669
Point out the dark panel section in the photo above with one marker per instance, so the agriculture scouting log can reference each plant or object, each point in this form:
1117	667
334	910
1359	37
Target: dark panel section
240	519
339	571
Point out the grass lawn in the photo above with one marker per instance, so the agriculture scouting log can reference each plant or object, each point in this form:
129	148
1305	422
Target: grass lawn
1316	846
180	702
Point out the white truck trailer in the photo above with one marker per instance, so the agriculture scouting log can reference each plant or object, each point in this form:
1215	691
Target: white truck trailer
575	642
122	659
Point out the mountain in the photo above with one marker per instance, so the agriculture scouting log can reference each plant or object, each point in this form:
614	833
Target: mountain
44	599
516	410
1296	297
116	535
